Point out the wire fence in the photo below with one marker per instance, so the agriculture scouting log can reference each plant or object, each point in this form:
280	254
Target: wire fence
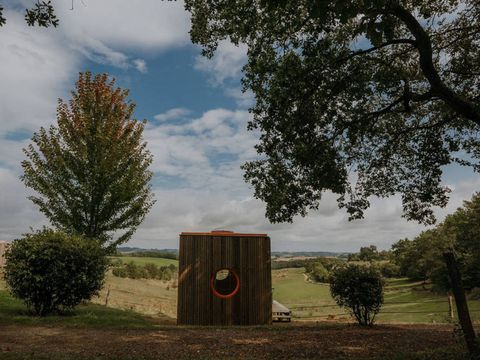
427	309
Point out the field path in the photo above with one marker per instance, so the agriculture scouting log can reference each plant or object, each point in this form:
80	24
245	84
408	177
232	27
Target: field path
172	342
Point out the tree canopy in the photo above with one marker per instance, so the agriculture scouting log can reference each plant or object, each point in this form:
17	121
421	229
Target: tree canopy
362	98
421	258
41	14
91	171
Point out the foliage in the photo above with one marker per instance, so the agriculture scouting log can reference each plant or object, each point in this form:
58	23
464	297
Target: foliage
41	14
421	258
319	274
387	90
388	269
368	253
360	289
91	170
147	271
53	271
152	254
287	264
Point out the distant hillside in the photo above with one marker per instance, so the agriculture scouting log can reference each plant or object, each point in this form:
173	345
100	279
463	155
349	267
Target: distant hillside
127	250
295	254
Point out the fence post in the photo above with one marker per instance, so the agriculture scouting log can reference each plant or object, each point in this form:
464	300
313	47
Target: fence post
450	306
108	295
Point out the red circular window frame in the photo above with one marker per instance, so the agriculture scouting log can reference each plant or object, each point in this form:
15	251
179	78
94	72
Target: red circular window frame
227	296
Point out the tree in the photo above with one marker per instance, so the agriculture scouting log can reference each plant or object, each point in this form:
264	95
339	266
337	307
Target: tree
41	14
53	271
318	273
384	89
360	289
368	253
421	257
91	170
461	231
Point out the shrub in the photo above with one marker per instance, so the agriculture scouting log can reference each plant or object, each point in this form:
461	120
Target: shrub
319	273
388	269
52	271
360	289
120	272
152	271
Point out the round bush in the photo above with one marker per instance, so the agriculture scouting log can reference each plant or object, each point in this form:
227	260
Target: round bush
52	271
360	289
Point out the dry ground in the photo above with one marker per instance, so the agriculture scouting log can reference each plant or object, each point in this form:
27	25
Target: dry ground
300	341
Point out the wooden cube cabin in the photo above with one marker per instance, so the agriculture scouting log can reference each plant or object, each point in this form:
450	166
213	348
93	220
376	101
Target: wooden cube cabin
224	279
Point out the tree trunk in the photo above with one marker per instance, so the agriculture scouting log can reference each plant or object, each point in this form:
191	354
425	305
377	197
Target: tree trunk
462	306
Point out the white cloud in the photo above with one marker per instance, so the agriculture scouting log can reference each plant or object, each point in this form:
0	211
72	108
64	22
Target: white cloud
103	30
175	113
243	100
35	71
17	215
140	65
147	25
226	64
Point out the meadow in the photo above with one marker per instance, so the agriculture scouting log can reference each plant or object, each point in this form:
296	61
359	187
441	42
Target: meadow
138	260
405	301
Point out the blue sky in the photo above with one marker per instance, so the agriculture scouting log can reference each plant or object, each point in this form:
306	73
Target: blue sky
197	126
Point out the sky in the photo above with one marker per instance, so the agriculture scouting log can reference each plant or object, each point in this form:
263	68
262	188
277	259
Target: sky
197	117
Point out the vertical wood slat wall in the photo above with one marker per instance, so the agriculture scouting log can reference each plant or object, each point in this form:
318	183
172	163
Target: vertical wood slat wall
201	255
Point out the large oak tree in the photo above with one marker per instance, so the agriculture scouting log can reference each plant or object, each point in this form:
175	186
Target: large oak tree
41	14
362	97
91	171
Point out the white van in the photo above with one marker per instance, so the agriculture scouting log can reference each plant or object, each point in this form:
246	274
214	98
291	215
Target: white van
280	312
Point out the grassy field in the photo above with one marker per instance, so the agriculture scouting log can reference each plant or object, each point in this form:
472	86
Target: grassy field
14	312
405	301
138	260
156	298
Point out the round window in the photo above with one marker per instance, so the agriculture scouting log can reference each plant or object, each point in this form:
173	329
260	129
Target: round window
225	283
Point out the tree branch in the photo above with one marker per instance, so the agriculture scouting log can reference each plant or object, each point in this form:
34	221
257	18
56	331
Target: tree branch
375	48
456	102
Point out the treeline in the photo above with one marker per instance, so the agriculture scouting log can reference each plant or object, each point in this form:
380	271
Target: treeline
370	253
153	254
318	269
147	271
422	257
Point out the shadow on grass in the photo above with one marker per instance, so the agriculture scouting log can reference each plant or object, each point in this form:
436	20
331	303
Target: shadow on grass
14	312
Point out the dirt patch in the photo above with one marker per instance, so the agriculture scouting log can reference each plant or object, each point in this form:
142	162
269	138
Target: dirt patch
274	342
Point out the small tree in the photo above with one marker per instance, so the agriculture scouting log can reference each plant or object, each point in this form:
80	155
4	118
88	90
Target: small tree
91	171
360	289
52	271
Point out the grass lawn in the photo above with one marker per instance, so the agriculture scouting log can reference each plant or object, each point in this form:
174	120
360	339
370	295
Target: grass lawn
14	312
138	260
405	301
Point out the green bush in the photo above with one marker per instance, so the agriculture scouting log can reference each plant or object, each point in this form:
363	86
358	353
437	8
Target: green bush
388	269
360	289
52	271
318	273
